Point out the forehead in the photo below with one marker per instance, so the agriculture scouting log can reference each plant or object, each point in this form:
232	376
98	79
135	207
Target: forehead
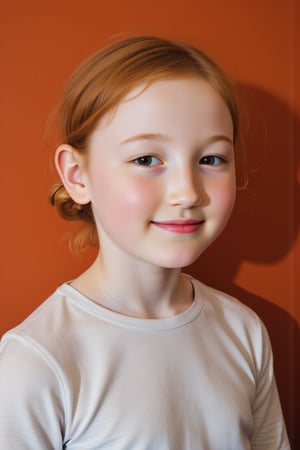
184	102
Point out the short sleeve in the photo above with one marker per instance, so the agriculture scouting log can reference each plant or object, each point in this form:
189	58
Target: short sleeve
31	413
269	432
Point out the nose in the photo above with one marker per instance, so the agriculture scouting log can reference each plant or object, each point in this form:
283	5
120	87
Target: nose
184	189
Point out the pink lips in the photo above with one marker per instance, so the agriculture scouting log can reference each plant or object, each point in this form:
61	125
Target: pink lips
180	226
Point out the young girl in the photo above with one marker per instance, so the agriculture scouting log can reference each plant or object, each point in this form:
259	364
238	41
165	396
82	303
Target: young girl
134	354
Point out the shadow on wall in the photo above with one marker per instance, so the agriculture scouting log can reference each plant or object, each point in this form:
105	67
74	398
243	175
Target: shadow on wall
263	229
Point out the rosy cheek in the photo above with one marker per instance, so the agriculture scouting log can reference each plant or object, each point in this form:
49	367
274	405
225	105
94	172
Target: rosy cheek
222	195
226	198
139	195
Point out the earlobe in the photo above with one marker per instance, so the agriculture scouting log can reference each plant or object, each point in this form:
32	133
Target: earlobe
69	166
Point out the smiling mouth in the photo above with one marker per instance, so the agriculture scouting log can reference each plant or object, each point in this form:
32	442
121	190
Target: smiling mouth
180	226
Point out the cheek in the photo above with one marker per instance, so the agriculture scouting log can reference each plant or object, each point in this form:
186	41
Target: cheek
139	195
125	197
223	196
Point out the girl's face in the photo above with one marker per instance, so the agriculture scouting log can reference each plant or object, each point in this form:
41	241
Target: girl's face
160	173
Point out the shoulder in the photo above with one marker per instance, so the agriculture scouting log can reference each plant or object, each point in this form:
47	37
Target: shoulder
44	331
235	321
31	378
44	318
38	348
218	302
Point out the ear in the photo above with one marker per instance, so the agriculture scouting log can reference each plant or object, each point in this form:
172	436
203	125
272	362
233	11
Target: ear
69	165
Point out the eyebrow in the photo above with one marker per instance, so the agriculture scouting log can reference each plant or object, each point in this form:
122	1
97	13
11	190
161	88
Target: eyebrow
147	137
162	137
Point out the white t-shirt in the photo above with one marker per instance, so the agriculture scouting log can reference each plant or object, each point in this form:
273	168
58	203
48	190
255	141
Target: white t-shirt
75	375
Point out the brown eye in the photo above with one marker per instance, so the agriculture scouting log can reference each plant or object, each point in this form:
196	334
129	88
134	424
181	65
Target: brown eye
211	160
147	160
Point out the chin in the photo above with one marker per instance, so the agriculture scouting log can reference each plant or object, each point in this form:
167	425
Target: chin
180	261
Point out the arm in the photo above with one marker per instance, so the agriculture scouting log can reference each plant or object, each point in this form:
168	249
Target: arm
269	432
31	413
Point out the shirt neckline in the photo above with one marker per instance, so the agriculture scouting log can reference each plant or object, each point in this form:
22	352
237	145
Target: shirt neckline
167	323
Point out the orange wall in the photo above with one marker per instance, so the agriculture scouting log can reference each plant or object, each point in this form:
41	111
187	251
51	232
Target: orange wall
257	258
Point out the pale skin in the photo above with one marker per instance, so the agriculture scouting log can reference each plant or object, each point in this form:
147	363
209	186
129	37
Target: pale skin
160	176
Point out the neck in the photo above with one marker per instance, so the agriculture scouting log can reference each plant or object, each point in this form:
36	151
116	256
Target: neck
137	289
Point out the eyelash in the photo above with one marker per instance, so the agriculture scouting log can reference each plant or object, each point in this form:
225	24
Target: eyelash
147	161
151	160
212	160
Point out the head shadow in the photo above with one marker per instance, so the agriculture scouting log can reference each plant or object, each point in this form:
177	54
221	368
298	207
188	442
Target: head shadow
263	228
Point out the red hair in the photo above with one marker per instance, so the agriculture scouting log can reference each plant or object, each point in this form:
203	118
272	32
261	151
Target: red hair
102	81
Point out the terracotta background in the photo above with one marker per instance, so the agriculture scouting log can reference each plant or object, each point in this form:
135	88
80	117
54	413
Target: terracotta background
257	258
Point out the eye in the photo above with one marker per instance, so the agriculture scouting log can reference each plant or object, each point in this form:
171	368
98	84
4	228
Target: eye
212	160
147	160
